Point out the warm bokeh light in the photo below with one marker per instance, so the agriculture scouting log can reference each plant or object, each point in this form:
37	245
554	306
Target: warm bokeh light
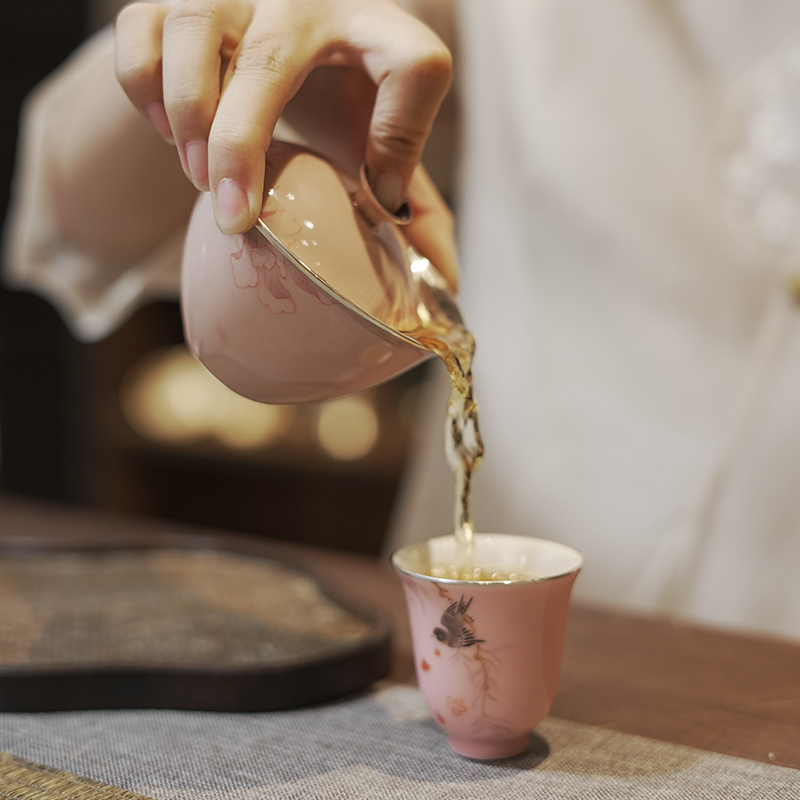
347	428
172	397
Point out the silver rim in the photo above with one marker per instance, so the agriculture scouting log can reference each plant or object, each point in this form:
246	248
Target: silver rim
322	284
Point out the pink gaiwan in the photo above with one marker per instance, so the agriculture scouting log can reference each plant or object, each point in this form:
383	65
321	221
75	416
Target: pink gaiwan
311	303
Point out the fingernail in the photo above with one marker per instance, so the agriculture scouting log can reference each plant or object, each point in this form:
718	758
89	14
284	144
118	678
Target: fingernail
231	207
197	160
157	114
388	189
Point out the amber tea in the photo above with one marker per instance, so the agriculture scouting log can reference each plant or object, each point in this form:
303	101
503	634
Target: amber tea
455	345
458	572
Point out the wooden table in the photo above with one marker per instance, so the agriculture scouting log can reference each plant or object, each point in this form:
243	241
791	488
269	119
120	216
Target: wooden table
665	679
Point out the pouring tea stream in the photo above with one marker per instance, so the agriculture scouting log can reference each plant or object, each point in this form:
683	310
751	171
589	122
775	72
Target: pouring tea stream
324	298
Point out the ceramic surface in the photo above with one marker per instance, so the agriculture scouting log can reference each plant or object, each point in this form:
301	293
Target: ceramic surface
488	654
308	305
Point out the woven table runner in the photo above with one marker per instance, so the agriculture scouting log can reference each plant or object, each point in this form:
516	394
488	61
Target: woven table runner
24	780
381	744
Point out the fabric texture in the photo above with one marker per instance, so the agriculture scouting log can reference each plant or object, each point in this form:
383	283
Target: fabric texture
380	745
24	780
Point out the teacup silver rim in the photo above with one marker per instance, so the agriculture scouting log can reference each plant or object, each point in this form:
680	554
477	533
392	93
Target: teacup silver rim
519	581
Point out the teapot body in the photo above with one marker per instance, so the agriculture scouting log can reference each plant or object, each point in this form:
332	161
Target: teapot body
310	304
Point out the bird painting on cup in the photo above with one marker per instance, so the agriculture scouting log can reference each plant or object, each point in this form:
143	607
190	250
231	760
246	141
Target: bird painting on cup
455	632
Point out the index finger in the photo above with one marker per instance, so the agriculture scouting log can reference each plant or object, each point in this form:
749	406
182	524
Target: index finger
274	57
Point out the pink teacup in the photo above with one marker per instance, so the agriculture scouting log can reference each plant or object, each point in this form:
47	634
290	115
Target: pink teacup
312	303
488	652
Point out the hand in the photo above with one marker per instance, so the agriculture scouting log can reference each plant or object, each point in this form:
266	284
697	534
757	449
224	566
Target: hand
360	79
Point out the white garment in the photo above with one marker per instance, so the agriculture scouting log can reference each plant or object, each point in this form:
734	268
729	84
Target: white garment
638	366
92	296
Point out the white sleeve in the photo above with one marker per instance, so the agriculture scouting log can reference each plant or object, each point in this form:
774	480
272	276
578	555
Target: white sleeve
93	297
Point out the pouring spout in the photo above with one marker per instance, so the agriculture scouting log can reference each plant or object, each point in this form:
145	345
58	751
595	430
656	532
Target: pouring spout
434	292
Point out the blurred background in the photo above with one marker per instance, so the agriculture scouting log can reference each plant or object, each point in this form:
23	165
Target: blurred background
133	424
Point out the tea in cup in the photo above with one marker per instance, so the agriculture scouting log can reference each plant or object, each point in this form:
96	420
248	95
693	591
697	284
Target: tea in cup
488	632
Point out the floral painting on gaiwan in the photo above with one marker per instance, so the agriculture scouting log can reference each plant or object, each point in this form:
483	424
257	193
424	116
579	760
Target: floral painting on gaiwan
257	265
